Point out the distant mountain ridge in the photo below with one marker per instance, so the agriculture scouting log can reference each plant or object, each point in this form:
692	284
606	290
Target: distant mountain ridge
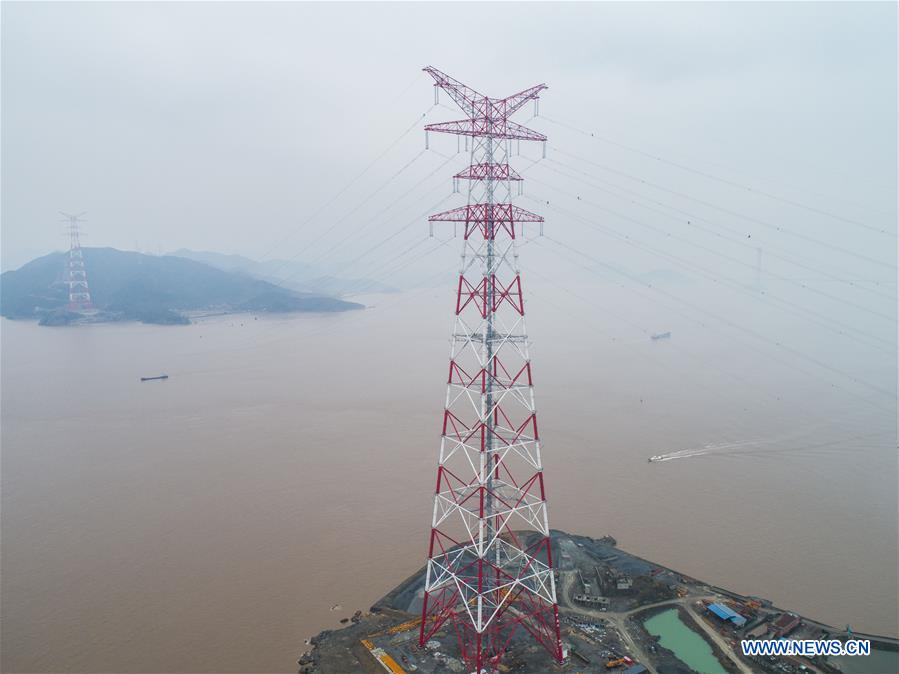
126	285
289	273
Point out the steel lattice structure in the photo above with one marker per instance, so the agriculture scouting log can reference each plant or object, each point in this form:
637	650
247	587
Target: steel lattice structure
489	566
76	275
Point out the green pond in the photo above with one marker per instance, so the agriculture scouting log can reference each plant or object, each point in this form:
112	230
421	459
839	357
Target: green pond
687	645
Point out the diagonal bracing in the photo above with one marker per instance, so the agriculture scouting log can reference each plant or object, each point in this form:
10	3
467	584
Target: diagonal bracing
489	573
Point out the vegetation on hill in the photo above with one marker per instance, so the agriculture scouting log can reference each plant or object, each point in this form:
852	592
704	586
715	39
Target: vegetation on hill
132	286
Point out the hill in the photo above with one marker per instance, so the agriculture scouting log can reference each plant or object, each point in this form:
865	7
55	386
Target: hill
290	273
132	286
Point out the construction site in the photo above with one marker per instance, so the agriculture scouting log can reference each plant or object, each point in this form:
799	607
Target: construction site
605	598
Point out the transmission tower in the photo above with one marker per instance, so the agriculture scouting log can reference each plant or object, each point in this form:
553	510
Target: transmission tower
76	278
490	567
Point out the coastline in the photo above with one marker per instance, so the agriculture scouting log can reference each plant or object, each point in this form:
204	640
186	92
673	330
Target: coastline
390	625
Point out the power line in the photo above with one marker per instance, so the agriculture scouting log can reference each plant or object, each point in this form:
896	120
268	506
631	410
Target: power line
740	328
389	206
779	228
747	188
700	358
253	342
277	246
691	218
760	295
371	249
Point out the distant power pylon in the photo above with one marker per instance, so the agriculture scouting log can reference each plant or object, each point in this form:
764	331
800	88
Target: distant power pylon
79	293
490	567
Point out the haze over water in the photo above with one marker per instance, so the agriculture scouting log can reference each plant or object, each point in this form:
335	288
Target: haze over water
211	521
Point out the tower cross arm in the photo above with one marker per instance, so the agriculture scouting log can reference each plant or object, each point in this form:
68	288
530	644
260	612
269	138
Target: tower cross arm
472	103
489	170
499	212
481	126
515	102
521	215
521	132
460	214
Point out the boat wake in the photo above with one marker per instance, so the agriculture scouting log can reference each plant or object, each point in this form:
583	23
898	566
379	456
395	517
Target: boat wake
810	439
711	448
778	446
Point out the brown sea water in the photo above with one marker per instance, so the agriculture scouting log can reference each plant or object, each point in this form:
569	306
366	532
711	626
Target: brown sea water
210	522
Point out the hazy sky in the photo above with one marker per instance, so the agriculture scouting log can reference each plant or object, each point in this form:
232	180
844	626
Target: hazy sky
223	126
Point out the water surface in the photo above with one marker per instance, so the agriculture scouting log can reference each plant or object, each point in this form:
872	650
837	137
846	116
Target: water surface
687	645
879	662
210	522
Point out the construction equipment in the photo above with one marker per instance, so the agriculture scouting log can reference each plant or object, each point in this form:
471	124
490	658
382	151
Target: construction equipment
403	627
620	662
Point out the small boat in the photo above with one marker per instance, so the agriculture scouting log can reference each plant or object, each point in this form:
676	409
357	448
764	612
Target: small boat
660	335
160	376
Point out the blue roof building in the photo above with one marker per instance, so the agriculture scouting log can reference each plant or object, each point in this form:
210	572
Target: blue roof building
727	613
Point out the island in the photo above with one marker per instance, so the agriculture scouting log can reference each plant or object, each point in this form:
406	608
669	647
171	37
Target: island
130	286
618	613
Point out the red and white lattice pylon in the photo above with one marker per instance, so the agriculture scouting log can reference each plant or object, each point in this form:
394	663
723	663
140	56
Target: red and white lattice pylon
76	274
490	570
